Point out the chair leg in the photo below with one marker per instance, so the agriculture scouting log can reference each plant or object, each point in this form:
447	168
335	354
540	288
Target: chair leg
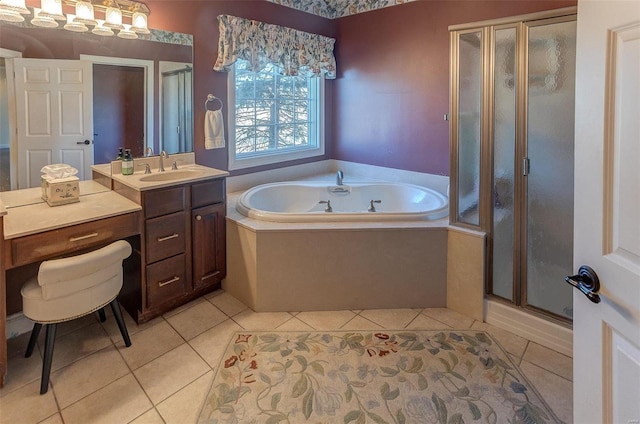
115	307
102	315
33	339
48	357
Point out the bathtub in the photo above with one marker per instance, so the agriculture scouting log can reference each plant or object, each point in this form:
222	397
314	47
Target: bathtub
319	201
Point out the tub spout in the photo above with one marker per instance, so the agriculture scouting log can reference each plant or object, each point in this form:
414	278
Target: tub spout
339	176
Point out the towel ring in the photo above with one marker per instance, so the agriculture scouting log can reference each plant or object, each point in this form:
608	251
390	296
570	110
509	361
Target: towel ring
211	98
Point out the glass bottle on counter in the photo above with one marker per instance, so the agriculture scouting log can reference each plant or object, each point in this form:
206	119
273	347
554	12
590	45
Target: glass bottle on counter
120	153
127	163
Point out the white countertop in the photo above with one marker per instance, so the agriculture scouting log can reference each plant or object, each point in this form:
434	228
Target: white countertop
198	173
27	213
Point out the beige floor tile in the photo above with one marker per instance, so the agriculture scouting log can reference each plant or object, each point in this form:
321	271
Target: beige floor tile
75	324
184	406
423	322
119	402
211	344
54	419
183	307
150	417
111	326
450	317
550	360
227	303
169	373
392	319
515	359
85	376
359	323
294	324
555	390
326	320
214	293
197	319
26	405
76	345
510	342
149	344
250	320
21	370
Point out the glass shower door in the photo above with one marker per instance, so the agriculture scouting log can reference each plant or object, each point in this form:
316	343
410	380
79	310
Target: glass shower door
504	147
549	184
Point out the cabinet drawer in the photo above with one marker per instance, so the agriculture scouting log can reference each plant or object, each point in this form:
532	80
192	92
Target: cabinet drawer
165	236
164	201
166	280
29	249
207	193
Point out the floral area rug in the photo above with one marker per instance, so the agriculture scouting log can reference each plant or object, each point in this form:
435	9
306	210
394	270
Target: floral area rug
446	377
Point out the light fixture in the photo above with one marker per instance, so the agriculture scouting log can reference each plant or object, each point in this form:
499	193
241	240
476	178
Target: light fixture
42	19
85	13
114	13
127	33
101	29
73	24
52	9
12	10
139	21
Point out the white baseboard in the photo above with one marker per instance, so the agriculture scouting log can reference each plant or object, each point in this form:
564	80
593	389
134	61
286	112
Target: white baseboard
18	324
531	327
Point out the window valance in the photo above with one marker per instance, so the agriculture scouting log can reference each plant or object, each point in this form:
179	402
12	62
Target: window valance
296	52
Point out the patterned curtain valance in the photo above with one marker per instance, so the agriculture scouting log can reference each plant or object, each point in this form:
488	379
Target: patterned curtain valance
296	52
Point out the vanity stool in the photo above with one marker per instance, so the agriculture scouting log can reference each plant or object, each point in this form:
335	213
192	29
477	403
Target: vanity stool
70	288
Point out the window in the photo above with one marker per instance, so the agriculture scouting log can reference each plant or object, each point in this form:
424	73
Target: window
274	117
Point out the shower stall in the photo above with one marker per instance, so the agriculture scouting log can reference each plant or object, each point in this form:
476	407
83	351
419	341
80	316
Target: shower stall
176	107
512	100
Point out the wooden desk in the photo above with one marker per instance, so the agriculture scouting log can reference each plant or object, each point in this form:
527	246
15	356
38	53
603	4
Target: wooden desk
31	231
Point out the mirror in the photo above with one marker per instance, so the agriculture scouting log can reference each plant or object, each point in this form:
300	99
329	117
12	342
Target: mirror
141	95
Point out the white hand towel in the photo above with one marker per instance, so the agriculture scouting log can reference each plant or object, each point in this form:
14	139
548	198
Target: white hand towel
213	129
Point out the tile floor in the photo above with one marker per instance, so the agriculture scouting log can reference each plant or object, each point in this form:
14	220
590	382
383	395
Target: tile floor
165	375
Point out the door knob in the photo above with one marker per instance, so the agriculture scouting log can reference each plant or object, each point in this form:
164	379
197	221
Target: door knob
587	282
87	142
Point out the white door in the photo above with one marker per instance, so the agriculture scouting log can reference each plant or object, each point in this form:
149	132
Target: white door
54	104
606	347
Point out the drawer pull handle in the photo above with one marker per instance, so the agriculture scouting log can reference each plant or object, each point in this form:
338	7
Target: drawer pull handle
83	237
198	217
172	236
169	281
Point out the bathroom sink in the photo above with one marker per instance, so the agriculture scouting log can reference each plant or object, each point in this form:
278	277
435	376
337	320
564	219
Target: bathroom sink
171	175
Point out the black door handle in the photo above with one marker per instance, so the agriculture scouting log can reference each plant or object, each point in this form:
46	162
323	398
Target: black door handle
587	282
87	142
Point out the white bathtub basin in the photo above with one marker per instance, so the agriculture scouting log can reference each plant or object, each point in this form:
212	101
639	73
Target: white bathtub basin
306	201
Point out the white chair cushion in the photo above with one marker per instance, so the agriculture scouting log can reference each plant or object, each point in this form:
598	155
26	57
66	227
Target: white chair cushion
76	286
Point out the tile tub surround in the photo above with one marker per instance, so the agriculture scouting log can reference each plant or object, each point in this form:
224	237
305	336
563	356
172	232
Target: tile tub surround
136	390
340	265
324	266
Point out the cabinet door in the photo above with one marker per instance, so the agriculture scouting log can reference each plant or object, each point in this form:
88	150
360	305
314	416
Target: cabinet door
208	238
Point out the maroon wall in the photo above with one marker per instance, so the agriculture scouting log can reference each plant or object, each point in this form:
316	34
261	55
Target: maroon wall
200	19
392	89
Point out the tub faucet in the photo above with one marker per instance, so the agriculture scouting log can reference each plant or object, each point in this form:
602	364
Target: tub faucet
339	176
163	155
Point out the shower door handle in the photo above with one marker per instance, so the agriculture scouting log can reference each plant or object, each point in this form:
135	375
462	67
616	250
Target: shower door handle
587	282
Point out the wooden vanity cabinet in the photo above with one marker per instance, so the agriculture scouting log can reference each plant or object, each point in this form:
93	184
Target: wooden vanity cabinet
183	247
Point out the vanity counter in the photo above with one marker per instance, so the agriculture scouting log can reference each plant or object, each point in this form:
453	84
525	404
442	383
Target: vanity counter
27	213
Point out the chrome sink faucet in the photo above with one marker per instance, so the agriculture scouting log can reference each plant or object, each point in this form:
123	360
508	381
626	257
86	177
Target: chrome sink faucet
339	177
163	155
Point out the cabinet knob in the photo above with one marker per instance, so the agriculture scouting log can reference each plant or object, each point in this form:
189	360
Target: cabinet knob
198	218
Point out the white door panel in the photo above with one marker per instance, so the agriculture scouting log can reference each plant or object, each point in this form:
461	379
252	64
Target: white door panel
607	212
55	116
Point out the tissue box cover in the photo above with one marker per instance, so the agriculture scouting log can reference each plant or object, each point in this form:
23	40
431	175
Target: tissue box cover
61	191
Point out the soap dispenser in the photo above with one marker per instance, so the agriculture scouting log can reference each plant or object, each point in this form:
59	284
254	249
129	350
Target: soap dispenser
127	163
